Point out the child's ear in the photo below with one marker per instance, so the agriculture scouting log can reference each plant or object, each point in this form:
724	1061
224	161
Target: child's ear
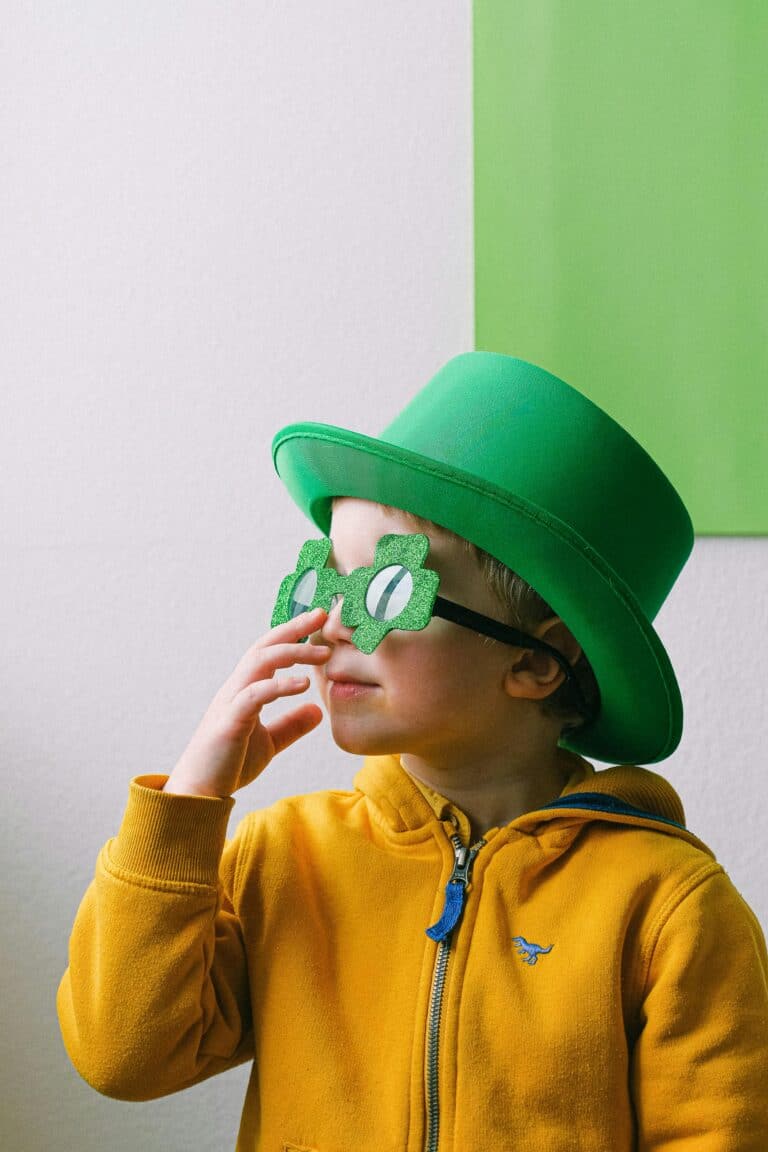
536	674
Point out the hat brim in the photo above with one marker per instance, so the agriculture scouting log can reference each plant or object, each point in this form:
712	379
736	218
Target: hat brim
641	715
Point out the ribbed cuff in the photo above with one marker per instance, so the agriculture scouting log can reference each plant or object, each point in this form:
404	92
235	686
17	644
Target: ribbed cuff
168	836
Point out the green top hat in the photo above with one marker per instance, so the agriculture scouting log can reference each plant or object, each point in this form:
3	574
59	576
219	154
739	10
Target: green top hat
512	458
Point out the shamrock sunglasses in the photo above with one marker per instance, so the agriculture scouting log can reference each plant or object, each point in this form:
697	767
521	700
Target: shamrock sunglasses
395	592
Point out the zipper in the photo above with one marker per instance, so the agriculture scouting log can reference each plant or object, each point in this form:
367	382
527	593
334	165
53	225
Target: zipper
442	933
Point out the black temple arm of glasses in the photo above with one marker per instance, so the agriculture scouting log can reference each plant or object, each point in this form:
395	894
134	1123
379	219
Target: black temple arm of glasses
457	614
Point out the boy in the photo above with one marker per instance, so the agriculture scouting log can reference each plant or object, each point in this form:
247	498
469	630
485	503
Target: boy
485	944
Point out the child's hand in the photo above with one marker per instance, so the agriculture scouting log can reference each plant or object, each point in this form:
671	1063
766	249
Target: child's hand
231	746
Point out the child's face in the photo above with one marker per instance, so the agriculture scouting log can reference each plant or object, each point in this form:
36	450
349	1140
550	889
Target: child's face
435	690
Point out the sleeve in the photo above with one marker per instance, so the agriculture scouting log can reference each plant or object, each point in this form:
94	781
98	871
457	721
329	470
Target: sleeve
156	994
699	1069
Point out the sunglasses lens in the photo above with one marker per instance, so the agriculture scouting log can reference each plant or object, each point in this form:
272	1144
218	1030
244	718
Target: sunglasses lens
389	592
303	593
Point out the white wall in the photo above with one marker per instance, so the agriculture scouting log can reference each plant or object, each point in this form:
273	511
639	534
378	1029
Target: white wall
216	219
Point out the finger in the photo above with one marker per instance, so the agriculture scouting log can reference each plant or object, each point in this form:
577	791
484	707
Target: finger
281	640
252	697
264	663
291	727
268	660
290	633
298	626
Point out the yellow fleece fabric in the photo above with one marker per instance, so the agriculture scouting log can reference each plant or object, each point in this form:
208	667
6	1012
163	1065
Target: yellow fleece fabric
606	987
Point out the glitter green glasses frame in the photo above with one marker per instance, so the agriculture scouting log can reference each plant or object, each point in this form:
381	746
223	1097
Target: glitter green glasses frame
395	592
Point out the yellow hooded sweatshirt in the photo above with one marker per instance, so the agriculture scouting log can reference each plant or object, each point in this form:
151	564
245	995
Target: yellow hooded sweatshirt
591	979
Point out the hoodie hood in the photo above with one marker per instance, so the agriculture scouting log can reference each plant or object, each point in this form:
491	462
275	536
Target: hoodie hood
625	794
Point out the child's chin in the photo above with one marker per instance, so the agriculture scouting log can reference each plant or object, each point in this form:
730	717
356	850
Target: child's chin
361	743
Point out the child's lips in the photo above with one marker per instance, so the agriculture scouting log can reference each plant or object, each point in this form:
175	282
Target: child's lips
349	690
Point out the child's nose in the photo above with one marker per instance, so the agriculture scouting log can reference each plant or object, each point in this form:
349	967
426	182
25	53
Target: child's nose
333	627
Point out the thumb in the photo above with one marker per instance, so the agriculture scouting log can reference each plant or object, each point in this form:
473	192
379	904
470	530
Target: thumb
291	727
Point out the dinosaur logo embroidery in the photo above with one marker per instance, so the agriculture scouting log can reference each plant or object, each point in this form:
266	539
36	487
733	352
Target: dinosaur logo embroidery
530	952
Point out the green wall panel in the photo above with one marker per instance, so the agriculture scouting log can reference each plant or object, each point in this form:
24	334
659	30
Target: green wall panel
621	224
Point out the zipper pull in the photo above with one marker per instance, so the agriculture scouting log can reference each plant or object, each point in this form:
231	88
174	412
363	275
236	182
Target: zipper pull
455	889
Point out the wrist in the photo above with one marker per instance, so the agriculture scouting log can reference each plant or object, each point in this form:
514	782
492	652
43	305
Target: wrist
180	785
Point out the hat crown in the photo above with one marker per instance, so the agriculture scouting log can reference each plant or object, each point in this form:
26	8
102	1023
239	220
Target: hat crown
518	427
